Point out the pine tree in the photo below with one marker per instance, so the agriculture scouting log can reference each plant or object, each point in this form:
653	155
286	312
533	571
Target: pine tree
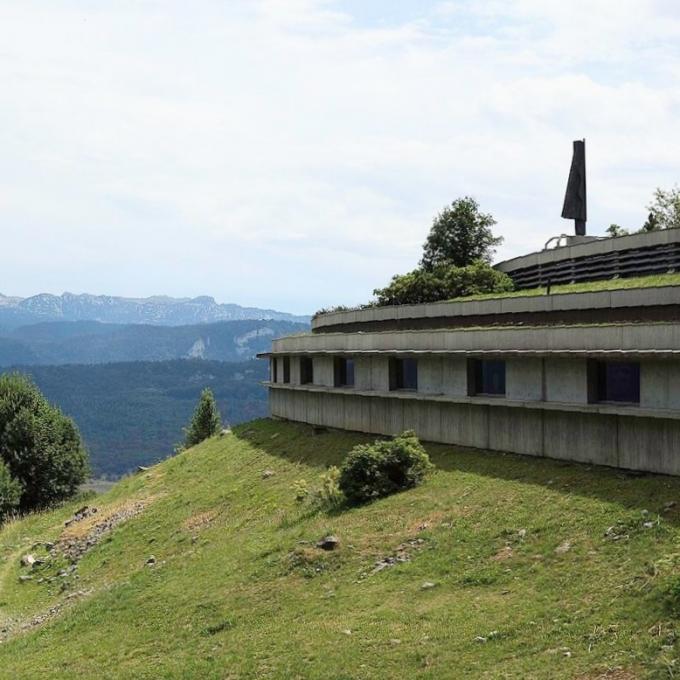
205	422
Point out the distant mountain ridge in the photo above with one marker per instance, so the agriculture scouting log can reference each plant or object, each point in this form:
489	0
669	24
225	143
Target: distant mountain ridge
155	311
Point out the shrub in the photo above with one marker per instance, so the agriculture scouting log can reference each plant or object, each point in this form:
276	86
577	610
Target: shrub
300	490
39	445
375	470
329	493
10	492
205	422
443	282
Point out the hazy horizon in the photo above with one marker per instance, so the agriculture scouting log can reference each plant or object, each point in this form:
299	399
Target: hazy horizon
291	154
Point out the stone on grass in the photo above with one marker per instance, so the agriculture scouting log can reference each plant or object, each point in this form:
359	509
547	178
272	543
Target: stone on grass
151	561
563	547
267	474
27	561
328	543
427	585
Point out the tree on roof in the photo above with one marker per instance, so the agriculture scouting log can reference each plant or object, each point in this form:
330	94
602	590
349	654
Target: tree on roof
460	235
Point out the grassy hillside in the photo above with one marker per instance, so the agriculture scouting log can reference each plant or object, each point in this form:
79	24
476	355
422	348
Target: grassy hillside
512	568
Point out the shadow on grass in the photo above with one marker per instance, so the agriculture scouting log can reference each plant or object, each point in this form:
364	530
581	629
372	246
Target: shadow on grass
631	490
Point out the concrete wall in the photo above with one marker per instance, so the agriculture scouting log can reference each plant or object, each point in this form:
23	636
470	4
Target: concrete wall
660	384
524	379
566	380
651	444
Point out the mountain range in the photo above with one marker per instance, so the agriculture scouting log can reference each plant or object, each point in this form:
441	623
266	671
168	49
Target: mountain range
93	342
156	311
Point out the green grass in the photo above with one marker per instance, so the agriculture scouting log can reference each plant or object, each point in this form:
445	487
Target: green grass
243	594
584	287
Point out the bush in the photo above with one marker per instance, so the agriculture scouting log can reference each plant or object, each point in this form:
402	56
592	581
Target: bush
39	445
376	470
205	422
329	495
10	492
443	282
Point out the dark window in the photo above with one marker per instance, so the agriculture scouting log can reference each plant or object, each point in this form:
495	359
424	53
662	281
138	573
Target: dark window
344	372
286	369
615	381
487	376
306	370
274	365
403	374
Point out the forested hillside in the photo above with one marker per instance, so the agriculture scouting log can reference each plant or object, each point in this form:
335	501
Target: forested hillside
92	342
133	413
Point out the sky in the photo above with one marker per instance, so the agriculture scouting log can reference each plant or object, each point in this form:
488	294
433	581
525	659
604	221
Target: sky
292	154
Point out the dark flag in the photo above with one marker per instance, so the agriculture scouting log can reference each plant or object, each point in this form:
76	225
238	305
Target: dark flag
575	199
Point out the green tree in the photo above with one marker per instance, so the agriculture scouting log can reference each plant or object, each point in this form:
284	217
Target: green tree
442	282
39	445
206	421
617	230
652	224
664	210
10	492
460	235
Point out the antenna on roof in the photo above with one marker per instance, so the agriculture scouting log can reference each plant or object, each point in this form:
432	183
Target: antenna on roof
575	198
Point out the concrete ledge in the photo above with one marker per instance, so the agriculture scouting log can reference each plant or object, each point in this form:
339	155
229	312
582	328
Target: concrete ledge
525	304
655	339
602	409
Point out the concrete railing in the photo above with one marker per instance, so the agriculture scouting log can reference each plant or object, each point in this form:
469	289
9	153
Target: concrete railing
635	338
605	299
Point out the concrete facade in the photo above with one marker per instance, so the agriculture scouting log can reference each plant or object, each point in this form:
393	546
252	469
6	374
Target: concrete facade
552	376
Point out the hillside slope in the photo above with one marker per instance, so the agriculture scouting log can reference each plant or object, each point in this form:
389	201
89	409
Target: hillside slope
91	342
531	568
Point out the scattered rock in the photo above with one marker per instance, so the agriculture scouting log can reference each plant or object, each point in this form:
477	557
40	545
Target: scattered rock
480	638
225	432
648	525
401	554
74	547
503	554
25	577
27	561
142	468
151	561
668	506
267	474
616	532
428	585
563	547
275	435
328	543
347	631
522	533
80	515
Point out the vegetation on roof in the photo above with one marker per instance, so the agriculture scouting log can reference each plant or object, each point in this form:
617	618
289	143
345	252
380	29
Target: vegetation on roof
652	281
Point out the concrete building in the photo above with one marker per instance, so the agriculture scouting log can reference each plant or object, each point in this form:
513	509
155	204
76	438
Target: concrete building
592	377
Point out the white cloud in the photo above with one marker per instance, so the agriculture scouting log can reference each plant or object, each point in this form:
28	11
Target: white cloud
290	153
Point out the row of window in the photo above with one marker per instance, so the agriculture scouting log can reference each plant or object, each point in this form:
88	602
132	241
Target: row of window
608	381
